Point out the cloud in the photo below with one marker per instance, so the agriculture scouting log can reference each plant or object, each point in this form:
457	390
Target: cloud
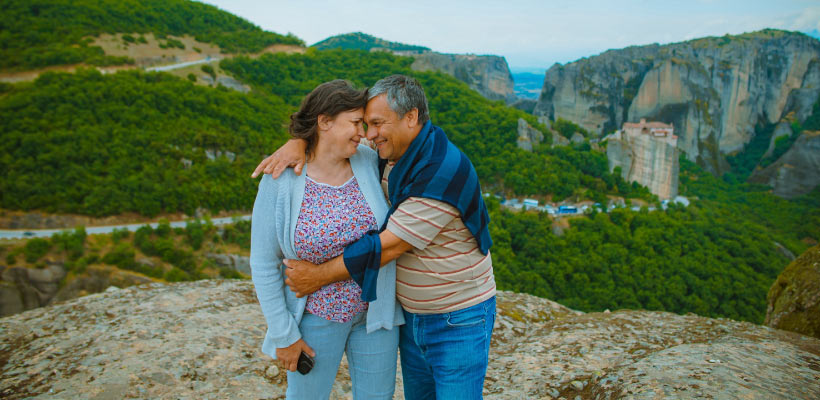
806	20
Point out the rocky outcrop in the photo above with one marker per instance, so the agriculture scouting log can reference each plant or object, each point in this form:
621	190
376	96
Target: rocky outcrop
794	299
783	128
646	157
233	261
795	173
24	288
489	75
525	105
27	288
202	339
528	136
714	90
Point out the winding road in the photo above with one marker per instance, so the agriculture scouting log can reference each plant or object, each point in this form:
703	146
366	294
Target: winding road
93	230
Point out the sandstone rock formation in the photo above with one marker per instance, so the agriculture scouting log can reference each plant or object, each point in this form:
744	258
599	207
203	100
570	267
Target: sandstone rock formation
794	299
201	340
528	136
714	90
489	75
797	172
24	288
647	153
233	261
783	128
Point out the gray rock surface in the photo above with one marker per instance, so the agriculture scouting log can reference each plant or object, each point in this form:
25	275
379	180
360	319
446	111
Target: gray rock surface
231	83
234	261
528	136
201	340
783	128
28	288
714	90
796	172
642	158
487	74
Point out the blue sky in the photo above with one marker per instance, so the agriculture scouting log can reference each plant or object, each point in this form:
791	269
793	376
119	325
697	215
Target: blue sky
531	34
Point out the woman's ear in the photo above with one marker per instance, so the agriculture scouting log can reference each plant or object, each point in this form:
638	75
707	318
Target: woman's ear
324	122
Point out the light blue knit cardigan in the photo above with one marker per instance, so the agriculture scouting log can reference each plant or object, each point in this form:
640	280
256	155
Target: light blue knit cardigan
273	226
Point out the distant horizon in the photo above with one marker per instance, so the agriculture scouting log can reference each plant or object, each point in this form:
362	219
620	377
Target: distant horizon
531	35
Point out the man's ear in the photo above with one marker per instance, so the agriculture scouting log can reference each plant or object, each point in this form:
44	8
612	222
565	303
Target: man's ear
412	118
324	122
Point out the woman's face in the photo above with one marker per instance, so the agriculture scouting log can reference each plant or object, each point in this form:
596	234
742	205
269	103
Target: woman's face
344	132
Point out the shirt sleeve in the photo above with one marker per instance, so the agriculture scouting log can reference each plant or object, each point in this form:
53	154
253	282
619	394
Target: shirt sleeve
266	262
419	220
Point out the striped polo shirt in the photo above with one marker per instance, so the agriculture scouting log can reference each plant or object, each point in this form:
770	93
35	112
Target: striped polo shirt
445	271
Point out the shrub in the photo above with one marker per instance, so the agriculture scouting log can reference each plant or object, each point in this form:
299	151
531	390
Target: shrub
176	275
36	248
120	234
209	70
163	229
72	243
195	234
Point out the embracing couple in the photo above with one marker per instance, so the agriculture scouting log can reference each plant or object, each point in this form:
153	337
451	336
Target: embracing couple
338	239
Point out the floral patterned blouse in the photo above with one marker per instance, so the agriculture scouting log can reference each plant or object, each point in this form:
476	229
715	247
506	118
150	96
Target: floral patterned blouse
332	217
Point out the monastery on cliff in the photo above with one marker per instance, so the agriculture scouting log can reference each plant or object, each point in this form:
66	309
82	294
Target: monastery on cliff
647	153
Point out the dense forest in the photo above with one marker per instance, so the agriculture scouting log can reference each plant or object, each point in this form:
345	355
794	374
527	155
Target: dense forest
158	131
683	260
98	144
718	257
363	41
40	33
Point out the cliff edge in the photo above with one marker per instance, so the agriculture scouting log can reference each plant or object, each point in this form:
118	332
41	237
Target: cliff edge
201	340
794	299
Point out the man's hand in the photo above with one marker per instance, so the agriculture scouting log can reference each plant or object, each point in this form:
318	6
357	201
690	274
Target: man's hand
291	154
303	277
288	357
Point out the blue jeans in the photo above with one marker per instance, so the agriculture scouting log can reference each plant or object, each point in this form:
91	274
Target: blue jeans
370	356
444	356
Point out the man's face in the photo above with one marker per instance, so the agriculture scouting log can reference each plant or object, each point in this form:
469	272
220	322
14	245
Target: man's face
391	135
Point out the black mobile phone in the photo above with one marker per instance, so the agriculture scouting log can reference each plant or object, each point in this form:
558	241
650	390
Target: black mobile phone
305	363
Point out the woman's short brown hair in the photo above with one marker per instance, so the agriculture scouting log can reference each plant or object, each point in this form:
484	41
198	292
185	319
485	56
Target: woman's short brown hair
330	99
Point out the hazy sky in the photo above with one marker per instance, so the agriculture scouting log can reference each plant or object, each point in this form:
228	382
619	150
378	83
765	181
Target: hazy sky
529	33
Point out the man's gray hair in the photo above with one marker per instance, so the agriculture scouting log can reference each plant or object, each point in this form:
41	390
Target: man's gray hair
403	94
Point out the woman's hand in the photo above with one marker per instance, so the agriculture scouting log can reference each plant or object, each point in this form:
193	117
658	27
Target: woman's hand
291	154
288	357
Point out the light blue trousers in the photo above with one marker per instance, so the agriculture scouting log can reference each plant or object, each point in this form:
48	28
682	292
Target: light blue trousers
370	356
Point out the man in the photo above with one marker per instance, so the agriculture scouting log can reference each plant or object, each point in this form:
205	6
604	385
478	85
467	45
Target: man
437	230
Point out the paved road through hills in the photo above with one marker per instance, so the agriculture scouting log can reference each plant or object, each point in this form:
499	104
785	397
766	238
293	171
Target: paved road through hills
92	230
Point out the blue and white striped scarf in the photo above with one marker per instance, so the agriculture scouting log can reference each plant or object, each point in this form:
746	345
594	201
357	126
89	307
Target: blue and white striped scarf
433	168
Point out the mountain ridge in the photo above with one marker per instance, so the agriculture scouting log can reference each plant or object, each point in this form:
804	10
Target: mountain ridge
715	90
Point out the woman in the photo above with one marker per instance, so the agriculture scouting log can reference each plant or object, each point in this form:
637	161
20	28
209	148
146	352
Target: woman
312	216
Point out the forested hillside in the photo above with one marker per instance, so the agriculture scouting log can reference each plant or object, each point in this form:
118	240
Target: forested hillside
363	41
98	144
40	33
486	131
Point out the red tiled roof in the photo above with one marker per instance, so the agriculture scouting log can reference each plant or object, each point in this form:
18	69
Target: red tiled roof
650	125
